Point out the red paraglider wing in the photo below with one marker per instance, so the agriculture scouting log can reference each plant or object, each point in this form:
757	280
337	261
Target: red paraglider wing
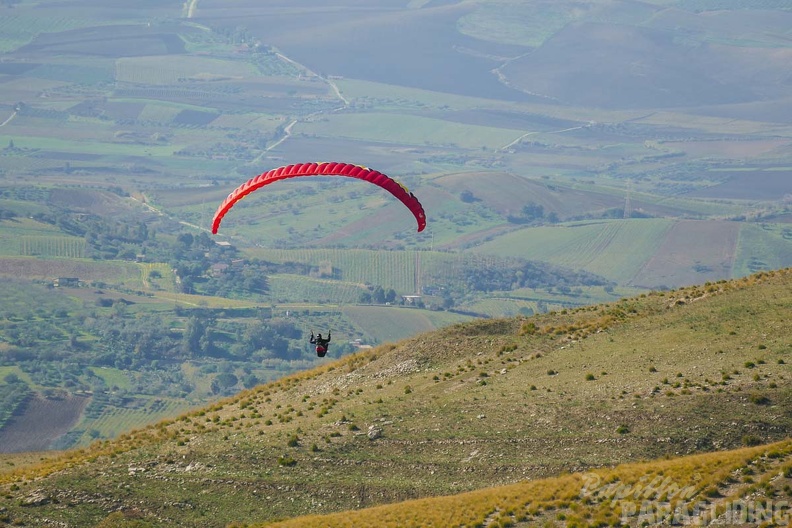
322	169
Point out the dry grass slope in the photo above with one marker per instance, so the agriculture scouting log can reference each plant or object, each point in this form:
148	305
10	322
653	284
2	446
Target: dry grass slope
754	482
459	414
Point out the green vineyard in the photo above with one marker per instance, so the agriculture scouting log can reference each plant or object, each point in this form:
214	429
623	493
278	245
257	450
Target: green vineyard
406	272
113	421
54	246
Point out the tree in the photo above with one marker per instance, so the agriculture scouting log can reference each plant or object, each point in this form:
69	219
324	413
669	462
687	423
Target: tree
186	285
378	295
250	381
193	332
448	302
533	211
257	336
206	343
142	233
186	239
223	381
468	197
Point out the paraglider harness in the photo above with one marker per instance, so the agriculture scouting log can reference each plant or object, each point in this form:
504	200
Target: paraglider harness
321	343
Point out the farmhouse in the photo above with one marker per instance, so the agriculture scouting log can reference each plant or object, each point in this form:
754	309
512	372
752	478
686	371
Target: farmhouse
358	343
224	245
218	269
66	282
411	299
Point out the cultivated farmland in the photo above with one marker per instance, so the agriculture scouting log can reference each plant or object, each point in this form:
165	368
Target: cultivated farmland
616	249
41	421
174	69
552	175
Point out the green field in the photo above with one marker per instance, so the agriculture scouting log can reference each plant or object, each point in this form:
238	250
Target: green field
113	377
297	288
762	247
18	29
105	148
117	421
527	25
387	324
65	247
411	130
615	249
173	69
6	370
27	237
390	269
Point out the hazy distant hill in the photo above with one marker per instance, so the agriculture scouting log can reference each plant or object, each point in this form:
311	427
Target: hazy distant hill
616	55
490	403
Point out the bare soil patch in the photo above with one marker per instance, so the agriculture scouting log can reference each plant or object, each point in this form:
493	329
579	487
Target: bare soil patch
32	268
96	202
692	252
508	193
625	67
727	149
40	422
354	44
750	185
107	41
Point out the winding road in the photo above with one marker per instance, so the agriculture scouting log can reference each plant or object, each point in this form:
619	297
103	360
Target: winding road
12	116
191	7
505	147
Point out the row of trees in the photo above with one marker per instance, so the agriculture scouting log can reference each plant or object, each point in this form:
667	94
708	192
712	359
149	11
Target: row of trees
378	295
13	393
533	213
506	274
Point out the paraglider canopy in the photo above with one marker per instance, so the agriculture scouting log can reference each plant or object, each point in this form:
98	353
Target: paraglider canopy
323	169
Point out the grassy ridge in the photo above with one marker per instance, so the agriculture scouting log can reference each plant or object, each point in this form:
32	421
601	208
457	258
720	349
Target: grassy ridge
695	489
692	371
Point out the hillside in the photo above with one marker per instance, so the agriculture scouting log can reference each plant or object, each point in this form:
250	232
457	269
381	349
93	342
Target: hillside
744	487
491	403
